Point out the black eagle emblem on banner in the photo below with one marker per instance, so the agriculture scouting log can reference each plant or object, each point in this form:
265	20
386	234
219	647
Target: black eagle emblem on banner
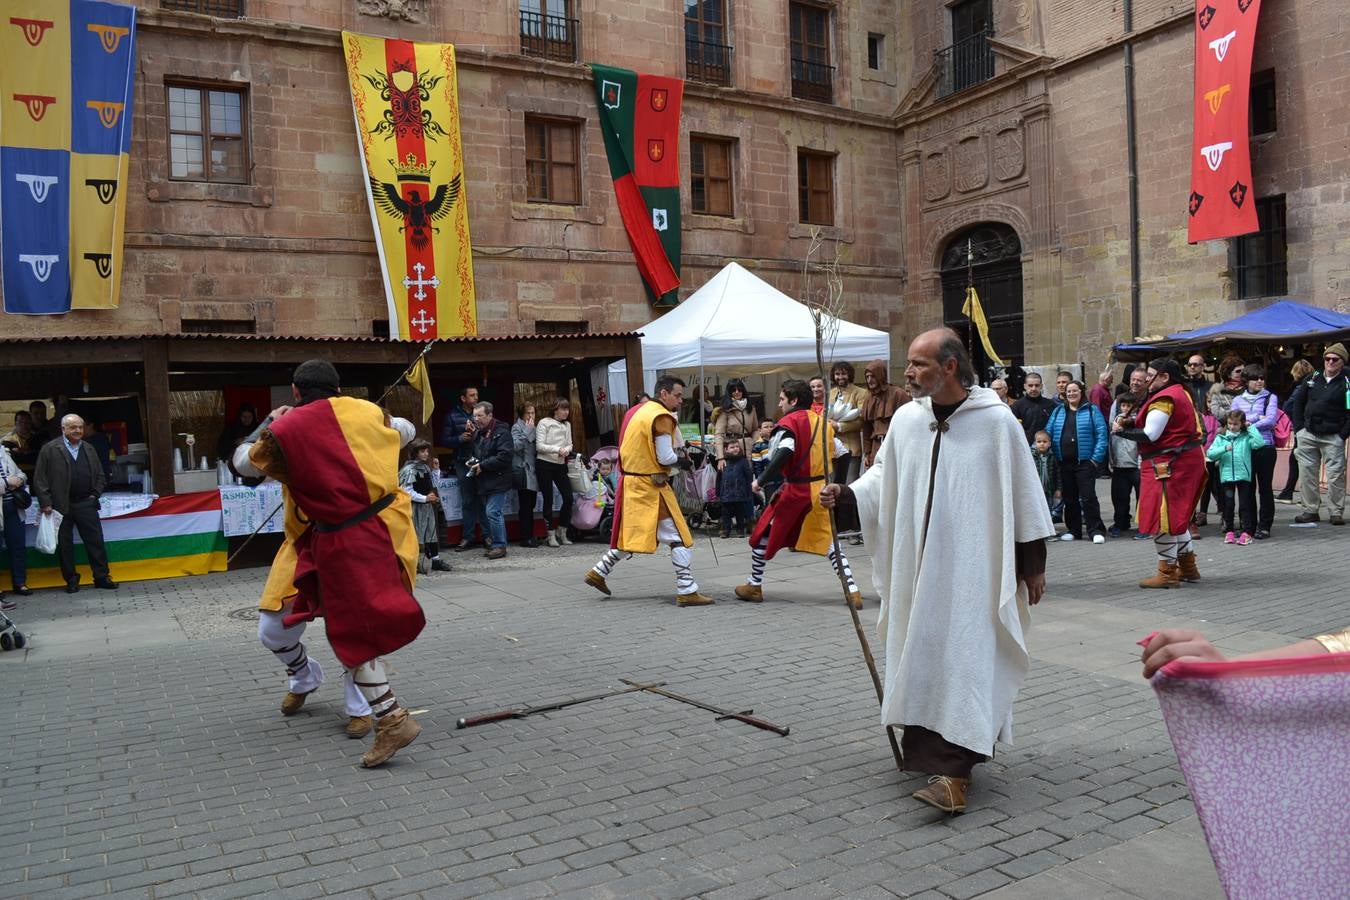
416	212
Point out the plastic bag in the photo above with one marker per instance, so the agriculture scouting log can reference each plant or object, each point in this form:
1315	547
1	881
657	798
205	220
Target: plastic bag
46	533
577	475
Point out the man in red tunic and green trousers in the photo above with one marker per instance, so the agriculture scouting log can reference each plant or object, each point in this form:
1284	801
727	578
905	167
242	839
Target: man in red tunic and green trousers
352	558
1171	471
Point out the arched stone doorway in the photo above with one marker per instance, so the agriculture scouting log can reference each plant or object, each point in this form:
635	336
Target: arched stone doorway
989	256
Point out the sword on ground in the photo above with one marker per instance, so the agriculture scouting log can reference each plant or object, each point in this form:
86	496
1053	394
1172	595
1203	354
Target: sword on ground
521	712
722	714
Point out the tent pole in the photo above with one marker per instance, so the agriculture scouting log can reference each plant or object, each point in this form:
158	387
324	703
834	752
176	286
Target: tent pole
702	417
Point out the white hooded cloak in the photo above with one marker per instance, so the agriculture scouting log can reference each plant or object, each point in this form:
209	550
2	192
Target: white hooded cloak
953	616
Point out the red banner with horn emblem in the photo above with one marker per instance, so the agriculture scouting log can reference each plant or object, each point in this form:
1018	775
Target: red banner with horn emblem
1221	204
406	103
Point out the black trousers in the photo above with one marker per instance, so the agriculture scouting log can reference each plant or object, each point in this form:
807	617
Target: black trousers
743	511
1263	467
1211	489
526	515
1291	478
83	514
1123	481
1237	494
553	475
929	752
1078	484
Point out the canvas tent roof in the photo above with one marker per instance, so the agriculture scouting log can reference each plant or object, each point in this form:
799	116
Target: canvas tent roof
740	321
1284	321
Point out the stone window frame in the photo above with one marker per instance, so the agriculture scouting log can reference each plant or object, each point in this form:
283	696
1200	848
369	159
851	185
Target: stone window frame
553	125
843	229
806	155
591	204
204	89
833	50
1273	241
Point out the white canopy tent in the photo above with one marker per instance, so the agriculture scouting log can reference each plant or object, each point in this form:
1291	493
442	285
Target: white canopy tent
738	321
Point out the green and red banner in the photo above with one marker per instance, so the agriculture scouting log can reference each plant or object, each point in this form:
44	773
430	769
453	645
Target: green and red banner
1221	162
640	121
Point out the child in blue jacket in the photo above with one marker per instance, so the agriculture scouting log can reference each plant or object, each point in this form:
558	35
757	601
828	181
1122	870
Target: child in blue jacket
1232	454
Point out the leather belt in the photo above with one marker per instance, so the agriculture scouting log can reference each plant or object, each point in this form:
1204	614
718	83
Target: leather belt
1173	451
371	510
805	480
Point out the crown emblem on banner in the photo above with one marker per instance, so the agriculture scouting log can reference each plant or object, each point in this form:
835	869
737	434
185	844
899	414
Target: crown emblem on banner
409	170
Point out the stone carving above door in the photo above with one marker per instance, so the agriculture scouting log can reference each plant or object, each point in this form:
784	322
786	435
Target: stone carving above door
972	163
1010	159
398	10
937	175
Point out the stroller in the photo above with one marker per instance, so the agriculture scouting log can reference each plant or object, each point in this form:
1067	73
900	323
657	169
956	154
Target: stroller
593	502
11	638
696	491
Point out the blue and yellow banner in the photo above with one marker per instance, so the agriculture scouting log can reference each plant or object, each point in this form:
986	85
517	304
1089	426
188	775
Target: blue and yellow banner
65	144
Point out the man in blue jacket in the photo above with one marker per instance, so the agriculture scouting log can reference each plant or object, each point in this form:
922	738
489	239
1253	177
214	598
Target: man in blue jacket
458	433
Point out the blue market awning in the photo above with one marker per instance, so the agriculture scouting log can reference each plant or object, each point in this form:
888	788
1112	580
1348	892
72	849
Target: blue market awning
1284	321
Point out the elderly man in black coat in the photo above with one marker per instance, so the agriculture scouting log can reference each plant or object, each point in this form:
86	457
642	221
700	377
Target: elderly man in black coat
69	478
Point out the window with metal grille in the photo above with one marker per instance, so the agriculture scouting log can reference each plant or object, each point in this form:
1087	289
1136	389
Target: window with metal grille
815	187
809	39
561	326
710	175
223	9
707	49
208	133
1260	260
548	29
1263	102
552	163
218	326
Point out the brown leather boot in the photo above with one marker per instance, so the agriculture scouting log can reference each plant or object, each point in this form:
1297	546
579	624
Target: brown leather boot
1189	570
359	726
1169	576
597	581
693	599
750	593
292	702
945	792
392	733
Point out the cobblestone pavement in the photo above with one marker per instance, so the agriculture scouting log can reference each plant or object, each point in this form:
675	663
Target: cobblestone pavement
144	754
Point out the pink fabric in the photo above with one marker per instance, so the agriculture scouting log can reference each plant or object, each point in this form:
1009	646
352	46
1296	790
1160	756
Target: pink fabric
1264	746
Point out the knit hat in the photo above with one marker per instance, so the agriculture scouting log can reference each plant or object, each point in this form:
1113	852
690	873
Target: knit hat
1339	350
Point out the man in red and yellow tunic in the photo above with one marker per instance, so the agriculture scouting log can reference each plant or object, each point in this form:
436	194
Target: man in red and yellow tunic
1171	471
795	517
646	511
350	553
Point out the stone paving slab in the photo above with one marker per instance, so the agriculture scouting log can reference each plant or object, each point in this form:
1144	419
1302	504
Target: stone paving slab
145	755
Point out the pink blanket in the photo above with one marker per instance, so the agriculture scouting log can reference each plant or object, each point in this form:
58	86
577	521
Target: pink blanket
1264	746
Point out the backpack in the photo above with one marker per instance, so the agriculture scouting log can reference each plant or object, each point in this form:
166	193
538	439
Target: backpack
1284	428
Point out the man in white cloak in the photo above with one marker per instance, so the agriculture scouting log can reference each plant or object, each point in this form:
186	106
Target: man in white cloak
958	520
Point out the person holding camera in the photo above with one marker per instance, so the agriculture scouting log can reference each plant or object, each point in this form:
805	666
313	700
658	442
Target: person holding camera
16	500
458	434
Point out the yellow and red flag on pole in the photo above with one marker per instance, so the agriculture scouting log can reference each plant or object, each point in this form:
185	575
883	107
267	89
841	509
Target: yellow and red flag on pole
405	100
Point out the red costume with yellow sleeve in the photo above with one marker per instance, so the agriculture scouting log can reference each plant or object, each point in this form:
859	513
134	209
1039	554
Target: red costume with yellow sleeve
1172	468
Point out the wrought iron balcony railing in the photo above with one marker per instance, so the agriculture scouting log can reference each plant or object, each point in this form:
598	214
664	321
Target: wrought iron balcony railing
223	9
812	81
964	64
551	37
707	62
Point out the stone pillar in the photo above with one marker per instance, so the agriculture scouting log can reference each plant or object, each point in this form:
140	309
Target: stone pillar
1040	281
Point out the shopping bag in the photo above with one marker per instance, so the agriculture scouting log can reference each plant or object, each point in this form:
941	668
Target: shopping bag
46	533
577	475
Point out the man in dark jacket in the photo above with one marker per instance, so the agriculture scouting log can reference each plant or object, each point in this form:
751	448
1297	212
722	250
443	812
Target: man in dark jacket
1320	410
69	479
491	472
457	433
1032	409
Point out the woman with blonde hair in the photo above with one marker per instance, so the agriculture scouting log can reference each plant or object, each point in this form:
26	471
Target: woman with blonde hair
1300	372
553	444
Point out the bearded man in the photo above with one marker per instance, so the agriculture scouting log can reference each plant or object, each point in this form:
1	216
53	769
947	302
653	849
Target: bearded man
646	511
958	519
350	551
1172	474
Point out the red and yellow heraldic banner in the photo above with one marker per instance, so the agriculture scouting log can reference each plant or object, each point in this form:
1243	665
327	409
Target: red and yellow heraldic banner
1221	204
65	140
406	102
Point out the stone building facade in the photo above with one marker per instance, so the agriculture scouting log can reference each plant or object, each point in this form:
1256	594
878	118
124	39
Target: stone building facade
978	140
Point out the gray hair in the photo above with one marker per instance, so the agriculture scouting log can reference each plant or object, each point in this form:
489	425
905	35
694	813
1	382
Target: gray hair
68	417
483	405
950	347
